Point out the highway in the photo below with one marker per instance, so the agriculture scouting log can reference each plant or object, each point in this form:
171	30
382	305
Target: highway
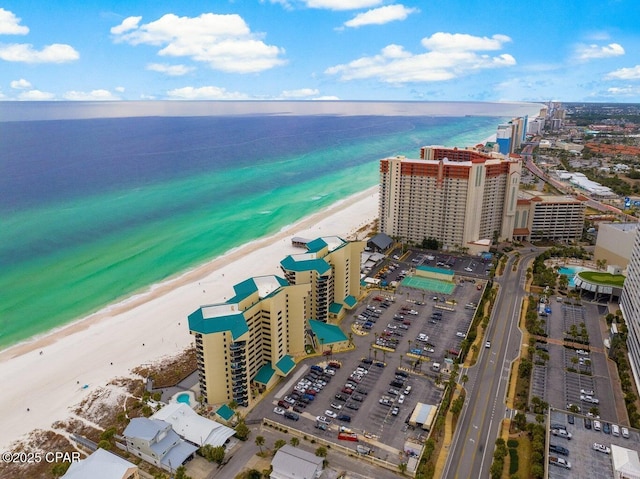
471	451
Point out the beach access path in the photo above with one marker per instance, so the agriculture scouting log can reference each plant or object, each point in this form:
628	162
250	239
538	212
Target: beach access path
44	379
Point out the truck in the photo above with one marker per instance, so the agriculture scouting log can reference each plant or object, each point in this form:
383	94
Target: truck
560	462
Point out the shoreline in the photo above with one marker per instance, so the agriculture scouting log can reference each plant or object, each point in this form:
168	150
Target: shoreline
45	378
153	291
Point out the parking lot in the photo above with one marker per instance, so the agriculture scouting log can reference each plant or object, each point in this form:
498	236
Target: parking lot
373	390
575	376
585	461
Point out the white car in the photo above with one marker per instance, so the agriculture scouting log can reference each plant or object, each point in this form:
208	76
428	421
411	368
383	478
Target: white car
401	399
588	392
487	344
461	334
336	406
601	448
278	410
590	399
561	433
330	413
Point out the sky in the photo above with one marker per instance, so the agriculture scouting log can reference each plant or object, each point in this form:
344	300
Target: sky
368	50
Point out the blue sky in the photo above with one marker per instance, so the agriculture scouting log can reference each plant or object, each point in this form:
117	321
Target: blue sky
439	50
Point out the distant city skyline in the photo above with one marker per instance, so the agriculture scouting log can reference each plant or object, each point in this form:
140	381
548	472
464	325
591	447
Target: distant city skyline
366	50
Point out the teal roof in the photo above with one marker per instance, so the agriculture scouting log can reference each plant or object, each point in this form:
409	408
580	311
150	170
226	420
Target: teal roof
286	364
319	265
350	301
264	375
234	323
433	269
335	308
249	286
316	245
330	333
225	412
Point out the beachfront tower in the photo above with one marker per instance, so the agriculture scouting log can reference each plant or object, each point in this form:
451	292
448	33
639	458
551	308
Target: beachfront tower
630	307
464	198
331	266
245	344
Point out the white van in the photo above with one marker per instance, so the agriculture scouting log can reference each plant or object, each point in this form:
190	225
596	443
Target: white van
615	430
597	426
625	432
435	366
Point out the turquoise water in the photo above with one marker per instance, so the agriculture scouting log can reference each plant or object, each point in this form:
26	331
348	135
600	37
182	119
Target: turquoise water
570	272
183	398
72	242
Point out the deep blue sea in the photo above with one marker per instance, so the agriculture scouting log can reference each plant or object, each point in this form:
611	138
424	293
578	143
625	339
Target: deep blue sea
93	210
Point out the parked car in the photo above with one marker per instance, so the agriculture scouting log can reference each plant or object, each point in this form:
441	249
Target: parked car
561	433
601	448
291	415
558	449
395	411
344	418
279	410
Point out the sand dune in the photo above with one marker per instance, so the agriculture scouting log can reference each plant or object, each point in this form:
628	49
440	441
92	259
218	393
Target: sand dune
51	374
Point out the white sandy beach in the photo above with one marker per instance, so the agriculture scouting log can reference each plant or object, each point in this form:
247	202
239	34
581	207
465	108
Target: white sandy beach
47	375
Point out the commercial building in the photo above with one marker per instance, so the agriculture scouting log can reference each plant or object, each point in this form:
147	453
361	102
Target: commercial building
548	217
247	342
331	266
464	198
615	243
630	307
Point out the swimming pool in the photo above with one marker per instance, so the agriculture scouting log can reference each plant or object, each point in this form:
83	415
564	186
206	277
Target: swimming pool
184	398
570	272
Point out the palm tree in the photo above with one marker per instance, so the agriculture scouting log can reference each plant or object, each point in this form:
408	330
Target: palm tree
294	441
260	442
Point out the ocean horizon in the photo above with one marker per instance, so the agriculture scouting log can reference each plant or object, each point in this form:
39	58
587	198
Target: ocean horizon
102	201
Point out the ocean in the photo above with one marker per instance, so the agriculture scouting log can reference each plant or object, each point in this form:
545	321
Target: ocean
96	209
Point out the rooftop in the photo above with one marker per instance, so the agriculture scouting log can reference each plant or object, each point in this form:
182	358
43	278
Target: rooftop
330	333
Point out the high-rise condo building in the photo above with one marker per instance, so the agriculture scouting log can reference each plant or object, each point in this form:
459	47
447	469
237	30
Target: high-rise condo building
464	198
244	344
630	307
331	266
541	216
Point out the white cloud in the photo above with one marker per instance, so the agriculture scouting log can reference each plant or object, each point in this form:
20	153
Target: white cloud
23	52
301	93
590	52
21	84
632	73
129	23
451	56
171	70
10	24
36	95
93	95
462	42
119	89
205	93
224	42
380	16
342	4
624	91
326	98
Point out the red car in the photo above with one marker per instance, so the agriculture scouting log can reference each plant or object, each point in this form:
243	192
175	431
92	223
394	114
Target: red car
347	390
283	404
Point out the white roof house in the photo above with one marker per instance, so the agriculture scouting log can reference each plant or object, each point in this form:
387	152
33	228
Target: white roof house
293	463
192	427
625	463
102	465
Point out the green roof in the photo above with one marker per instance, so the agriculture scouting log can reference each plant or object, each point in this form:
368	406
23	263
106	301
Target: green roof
264	375
330	333
234	323
249	286
286	364
319	265
316	245
433	269
335	308
225	412
350	301
601	278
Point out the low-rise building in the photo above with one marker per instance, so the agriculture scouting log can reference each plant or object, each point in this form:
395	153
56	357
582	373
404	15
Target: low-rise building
155	442
294	463
548	217
102	464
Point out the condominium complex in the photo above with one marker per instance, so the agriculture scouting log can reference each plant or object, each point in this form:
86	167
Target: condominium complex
464	198
246	343
331	266
548	217
630	307
615	243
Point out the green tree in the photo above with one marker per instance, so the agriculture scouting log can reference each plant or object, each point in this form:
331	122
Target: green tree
260	442
278	444
181	473
59	469
402	467
242	431
254	474
294	441
321	451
